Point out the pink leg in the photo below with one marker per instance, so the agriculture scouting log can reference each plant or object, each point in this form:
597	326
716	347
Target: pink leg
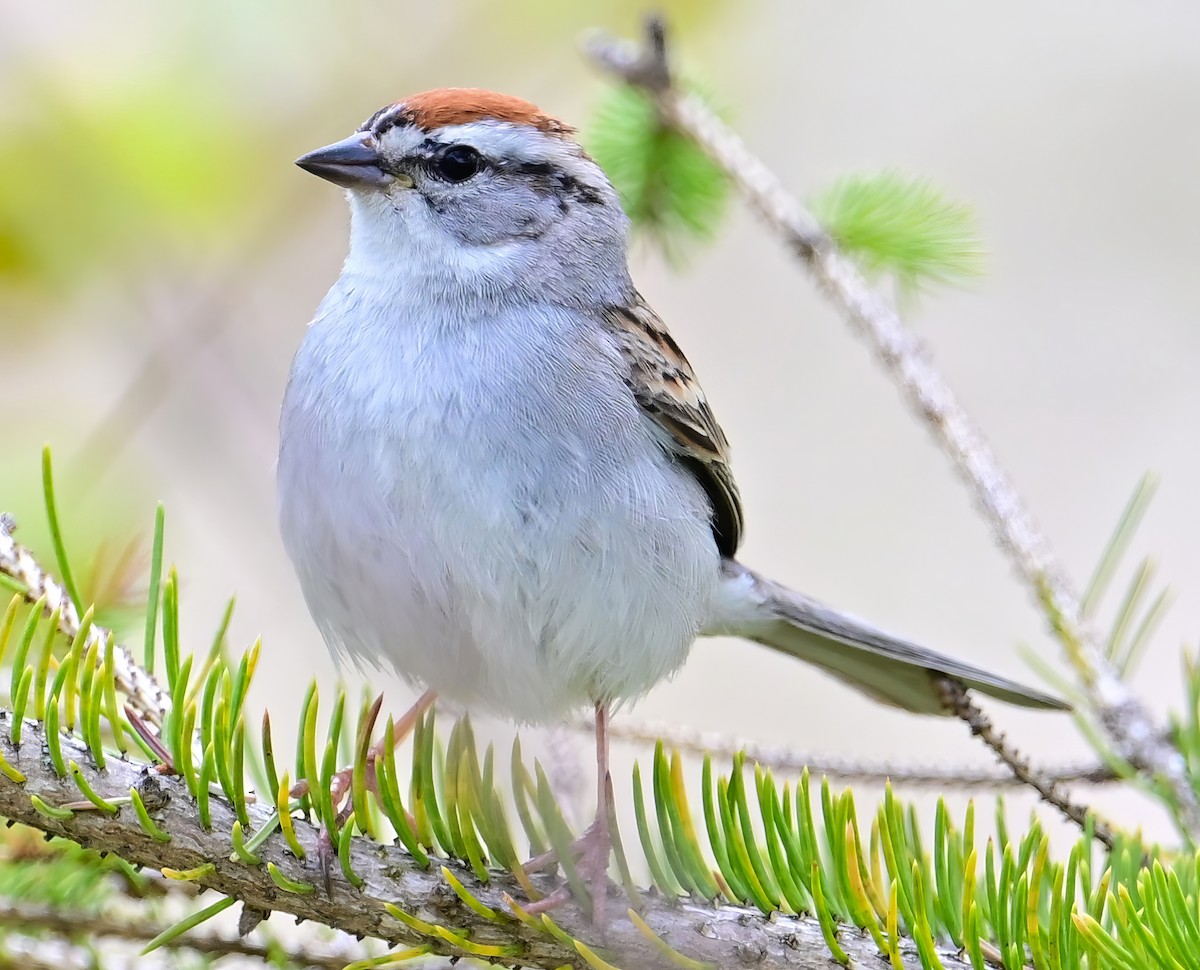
603	837
340	785
592	848
403	728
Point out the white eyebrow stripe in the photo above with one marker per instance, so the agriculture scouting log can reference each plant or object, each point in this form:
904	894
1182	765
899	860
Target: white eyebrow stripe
403	139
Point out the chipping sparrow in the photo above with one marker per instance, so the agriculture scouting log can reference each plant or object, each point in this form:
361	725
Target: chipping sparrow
497	471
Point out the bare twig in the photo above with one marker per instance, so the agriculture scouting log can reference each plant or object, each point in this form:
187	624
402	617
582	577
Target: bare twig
140	688
28	957
783	758
76	924
959	701
726	936
1129	726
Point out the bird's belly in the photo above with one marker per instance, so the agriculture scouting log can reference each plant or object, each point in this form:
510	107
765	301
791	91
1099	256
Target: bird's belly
525	568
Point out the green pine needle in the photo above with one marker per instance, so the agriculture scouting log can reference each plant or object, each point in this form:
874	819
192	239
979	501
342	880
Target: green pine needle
902	226
189	922
56	535
669	187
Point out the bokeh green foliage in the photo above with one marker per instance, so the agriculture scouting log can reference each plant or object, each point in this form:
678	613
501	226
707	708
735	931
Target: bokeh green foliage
131	174
61	873
904	227
671	190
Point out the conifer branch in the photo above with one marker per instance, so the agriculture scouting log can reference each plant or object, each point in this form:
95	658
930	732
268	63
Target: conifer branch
726	936
1131	729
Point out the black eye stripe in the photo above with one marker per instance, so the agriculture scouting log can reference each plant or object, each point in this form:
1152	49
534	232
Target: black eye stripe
545	177
548	178
534	169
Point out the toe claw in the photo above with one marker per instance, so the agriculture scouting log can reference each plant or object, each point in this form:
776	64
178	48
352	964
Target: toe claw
326	853
591	853
559	897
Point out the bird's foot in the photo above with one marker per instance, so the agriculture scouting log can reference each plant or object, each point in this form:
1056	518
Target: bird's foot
340	793
342	782
590	853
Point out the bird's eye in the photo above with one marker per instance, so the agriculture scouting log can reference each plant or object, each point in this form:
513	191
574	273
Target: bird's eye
457	163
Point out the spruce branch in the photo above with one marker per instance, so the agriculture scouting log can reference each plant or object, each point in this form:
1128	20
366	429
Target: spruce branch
143	693
728	936
1131	729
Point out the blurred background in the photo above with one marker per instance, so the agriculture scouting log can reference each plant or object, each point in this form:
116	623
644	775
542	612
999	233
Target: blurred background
160	257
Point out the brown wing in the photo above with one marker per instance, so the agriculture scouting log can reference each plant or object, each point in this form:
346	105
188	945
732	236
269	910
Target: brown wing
665	385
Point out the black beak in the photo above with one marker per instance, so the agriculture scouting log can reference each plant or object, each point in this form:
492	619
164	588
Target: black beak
352	163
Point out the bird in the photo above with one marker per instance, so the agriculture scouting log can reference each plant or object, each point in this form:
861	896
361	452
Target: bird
498	473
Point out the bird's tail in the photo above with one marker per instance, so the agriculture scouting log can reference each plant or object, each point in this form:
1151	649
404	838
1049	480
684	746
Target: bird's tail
892	671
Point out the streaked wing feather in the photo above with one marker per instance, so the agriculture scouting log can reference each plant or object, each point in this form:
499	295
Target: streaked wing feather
665	386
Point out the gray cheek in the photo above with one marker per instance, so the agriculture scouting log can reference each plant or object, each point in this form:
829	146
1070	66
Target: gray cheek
494	215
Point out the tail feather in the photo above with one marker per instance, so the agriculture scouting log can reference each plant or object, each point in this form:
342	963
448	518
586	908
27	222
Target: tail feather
894	672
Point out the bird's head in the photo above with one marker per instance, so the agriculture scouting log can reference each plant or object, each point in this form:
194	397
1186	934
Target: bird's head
483	185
